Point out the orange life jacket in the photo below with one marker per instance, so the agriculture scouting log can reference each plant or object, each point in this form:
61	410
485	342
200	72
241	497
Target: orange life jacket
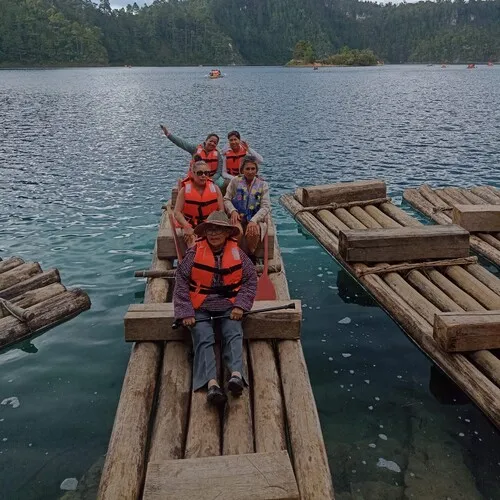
211	159
197	207
233	160
204	269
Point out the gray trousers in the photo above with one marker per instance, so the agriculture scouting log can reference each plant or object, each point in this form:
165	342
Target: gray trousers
204	366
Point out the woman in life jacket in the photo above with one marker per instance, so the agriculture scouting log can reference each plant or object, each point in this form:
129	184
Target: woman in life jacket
215	278
248	204
207	151
197	199
234	154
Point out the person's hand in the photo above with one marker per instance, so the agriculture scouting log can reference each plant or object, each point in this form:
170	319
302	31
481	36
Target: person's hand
252	229
245	145
188	230
236	314
165	131
235	217
187	322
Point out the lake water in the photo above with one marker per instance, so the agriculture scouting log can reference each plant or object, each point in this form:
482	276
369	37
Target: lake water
84	170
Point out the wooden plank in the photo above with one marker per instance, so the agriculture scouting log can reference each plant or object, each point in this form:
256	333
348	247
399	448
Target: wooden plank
153	322
256	476
343	192
403	244
467	331
476	218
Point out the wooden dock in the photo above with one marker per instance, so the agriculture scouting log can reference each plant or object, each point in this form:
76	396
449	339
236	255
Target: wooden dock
167	443
417	292
33	300
476	208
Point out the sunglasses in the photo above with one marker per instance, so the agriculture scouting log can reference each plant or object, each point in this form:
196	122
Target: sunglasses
208	173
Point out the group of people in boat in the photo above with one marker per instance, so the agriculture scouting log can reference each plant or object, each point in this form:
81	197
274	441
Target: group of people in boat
222	207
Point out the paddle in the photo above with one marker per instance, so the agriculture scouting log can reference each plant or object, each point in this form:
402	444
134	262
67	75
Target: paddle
178	322
176	240
265	287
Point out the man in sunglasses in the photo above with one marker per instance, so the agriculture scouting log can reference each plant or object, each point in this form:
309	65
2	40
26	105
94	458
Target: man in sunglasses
197	199
215	278
207	151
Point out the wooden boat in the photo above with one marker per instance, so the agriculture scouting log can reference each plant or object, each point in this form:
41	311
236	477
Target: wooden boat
168	443
215	73
358	225
33	300
477	209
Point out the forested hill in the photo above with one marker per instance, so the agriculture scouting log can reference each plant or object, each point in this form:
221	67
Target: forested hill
192	32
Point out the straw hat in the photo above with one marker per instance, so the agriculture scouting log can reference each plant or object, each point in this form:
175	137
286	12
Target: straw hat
217	218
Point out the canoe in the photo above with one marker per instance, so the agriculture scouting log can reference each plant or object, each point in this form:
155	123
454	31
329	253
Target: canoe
168	443
358	219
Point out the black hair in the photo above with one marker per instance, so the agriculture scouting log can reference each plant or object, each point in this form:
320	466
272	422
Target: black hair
212	135
235	133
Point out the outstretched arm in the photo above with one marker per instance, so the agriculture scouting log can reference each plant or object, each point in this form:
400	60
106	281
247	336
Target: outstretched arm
181	143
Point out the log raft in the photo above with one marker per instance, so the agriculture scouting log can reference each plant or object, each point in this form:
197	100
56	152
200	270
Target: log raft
476	209
165	437
419	293
33	300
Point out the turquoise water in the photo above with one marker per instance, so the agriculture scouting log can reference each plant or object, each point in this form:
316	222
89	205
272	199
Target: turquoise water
84	171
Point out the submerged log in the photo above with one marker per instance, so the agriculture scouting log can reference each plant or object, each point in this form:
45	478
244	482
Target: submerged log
36	281
46	314
125	466
18	274
11	263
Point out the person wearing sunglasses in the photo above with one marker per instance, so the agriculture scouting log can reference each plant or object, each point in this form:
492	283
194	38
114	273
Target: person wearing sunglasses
215	278
206	151
197	199
248	204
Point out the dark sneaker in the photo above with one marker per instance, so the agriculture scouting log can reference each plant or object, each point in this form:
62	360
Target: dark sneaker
216	396
235	385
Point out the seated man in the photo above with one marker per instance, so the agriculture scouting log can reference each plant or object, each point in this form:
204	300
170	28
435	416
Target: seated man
234	154
197	199
215	276
248	204
207	151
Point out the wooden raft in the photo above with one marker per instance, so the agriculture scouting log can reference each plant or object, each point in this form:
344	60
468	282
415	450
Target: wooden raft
415	293
477	209
32	300
163	431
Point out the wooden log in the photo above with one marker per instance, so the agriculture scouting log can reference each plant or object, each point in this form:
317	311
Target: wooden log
170	273
237	433
446	199
37	281
33	297
467	331
404	244
488	363
19	274
477	218
46	315
348	219
343	192
407	266
364	218
485	277
308	449
455	193
430	195
471	197
153	322
479	388
415	199
124	469
473	287
347	204
260	476
11	263
268	406
172	407
399	215
331	221
16	311
484	193
381	218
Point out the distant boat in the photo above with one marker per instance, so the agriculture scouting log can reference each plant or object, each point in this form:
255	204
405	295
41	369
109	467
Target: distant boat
471	66
315	67
443	65
490	63
215	73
